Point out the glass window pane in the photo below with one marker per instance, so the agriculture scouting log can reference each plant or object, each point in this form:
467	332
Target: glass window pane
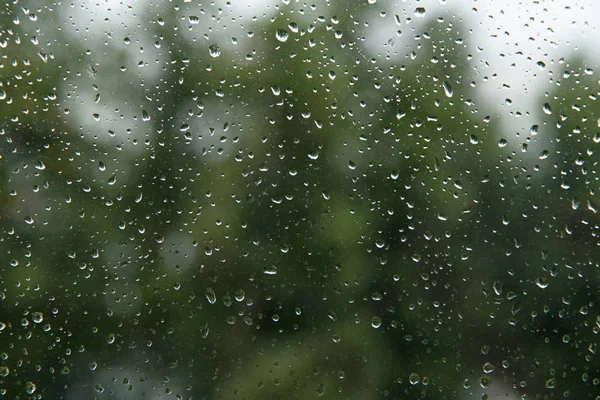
279	199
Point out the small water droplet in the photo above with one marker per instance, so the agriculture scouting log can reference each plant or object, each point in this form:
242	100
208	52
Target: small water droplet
214	50
194	20
211	295
40	165
551	383
376	322
270	270
282	35
448	89
547	108
488	368
420	11
414	378
544	154
30	387
111	338
542	282
37	317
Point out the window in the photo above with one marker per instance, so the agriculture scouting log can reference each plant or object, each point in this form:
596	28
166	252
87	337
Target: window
282	199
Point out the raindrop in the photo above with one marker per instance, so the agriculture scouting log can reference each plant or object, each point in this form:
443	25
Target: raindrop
30	387
542	282
497	288
210	295
547	108
37	317
281	35
420	11
448	89
194	20
414	378
214	50
488	368
270	270
376	322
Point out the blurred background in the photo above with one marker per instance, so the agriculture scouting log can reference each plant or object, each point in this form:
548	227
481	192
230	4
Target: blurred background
278	199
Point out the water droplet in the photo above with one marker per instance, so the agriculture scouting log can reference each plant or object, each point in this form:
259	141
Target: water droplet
37	317
211	295
551	383
282	35
448	89
194	20
544	154
414	378
214	50
488	368
485	382
40	165
534	130
320	386
112	180
420	11
145	116
547	108
376	322
111	338
4	371
270	270
542	282
30	387
541	65
497	288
